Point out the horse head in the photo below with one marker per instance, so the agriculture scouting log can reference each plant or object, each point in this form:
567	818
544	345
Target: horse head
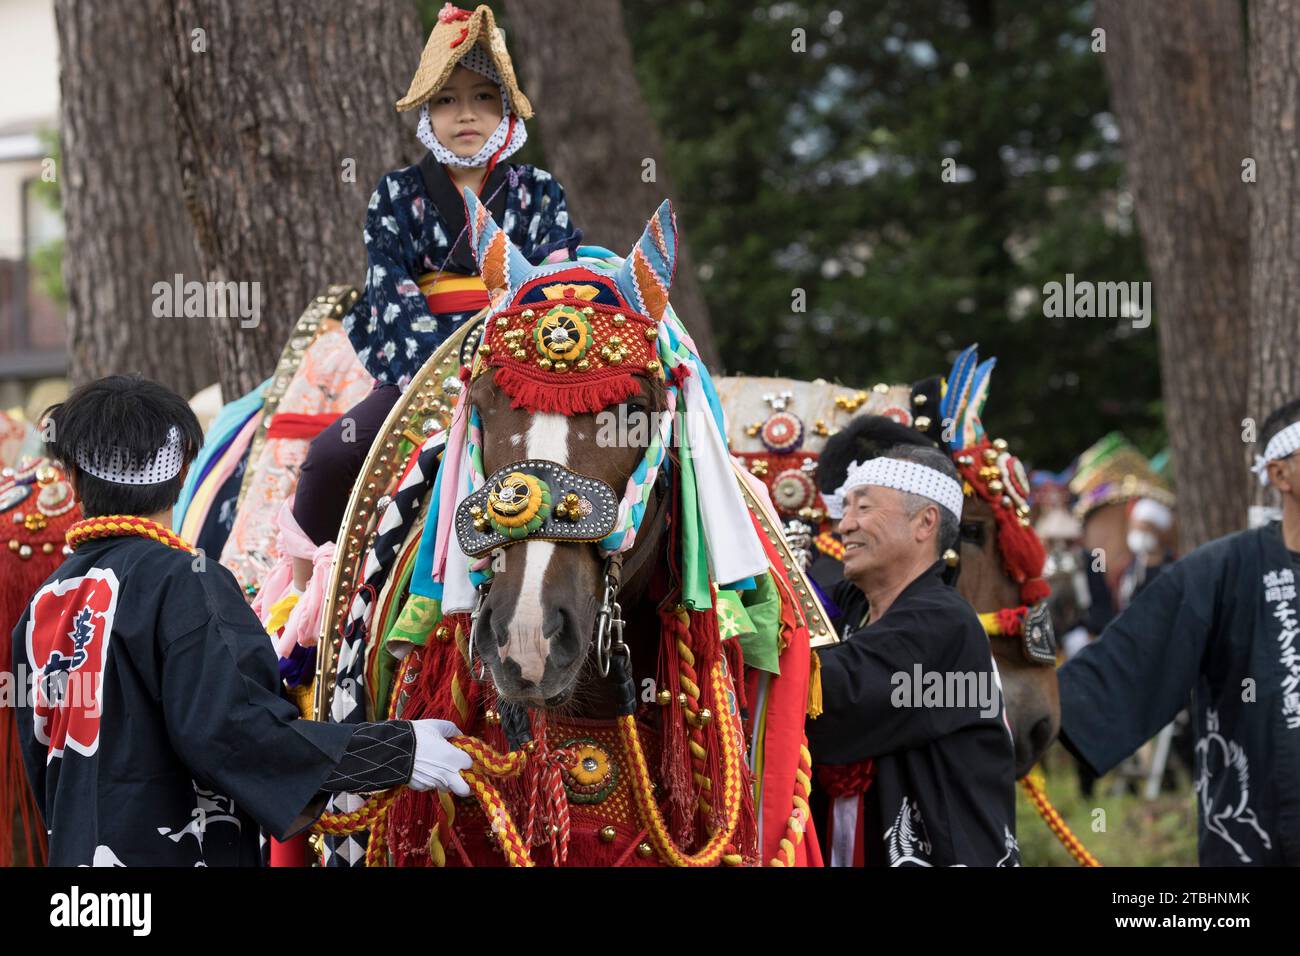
567	407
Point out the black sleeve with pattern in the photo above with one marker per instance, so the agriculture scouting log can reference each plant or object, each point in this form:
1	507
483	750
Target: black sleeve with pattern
379	755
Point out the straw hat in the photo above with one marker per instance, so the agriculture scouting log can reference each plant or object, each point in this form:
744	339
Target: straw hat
454	35
1113	470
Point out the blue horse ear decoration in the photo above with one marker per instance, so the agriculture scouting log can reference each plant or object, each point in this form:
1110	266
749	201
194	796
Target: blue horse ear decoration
502	266
646	274
963	399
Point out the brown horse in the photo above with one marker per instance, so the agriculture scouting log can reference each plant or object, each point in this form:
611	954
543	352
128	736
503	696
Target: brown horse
1028	683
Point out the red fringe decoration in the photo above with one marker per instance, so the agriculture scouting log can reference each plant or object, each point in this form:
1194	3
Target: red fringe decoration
577	396
674	759
1022	552
19	580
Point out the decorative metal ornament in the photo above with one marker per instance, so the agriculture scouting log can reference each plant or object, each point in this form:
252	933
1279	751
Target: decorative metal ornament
563	334
1039	635
517	503
55	498
792	490
12	497
900	415
1014	480
782	433
593	775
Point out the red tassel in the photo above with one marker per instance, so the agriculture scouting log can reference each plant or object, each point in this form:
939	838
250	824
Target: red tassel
1035	590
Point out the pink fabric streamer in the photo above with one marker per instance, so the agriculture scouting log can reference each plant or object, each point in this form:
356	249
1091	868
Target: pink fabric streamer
304	621
453	460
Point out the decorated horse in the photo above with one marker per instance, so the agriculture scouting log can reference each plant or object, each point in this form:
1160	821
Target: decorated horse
783	429
550	546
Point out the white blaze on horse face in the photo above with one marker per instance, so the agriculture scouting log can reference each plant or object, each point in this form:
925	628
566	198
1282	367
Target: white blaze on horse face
548	439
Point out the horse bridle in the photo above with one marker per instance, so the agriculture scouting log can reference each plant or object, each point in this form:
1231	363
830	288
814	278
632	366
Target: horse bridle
607	639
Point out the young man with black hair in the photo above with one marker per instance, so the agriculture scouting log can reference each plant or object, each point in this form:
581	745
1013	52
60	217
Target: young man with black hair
1221	626
153	730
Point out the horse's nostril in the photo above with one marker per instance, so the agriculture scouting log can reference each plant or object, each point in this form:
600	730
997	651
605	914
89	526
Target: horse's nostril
561	638
1041	735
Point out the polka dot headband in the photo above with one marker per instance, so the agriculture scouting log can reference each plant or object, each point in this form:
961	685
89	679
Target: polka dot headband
1284	443
114	465
906	476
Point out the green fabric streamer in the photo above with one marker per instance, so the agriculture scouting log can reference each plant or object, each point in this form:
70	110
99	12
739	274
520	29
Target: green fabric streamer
696	591
762	608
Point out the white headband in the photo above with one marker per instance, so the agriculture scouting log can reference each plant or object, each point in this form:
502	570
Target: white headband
1153	512
1284	443
478	61
906	476
834	504
165	464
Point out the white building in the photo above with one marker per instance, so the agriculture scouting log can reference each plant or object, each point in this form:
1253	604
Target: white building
32	329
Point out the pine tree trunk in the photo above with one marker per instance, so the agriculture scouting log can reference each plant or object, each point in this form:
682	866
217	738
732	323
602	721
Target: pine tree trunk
1178	88
126	227
575	63
286	122
1274	213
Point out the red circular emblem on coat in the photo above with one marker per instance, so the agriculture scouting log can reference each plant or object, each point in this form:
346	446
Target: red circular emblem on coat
900	415
782	432
792	490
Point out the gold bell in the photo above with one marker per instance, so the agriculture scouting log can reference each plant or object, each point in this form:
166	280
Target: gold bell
995	486
644	849
1000	444
951	557
922	422
651	333
880	388
607	834
664	698
919	399
704	716
492	717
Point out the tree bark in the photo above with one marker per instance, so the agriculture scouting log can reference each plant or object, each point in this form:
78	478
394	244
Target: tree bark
575	63
1274	213
1178	88
126	227
285	98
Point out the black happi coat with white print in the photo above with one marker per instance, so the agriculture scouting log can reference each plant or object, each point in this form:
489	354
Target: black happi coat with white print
1219	626
944	787
156	733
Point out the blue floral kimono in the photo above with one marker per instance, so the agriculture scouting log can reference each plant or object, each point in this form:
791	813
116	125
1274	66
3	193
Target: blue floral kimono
416	226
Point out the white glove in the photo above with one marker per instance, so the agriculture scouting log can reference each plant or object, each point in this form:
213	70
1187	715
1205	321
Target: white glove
437	763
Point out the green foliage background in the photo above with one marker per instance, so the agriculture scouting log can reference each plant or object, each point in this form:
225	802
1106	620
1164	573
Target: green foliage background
821	171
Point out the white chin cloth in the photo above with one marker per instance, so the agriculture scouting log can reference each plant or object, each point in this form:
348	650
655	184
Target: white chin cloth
905	476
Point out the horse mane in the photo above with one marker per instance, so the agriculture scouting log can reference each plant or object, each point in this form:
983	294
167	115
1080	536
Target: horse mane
863	438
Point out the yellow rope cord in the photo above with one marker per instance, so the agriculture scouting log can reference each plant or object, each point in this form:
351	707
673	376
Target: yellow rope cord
713	851
1038	797
801	814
